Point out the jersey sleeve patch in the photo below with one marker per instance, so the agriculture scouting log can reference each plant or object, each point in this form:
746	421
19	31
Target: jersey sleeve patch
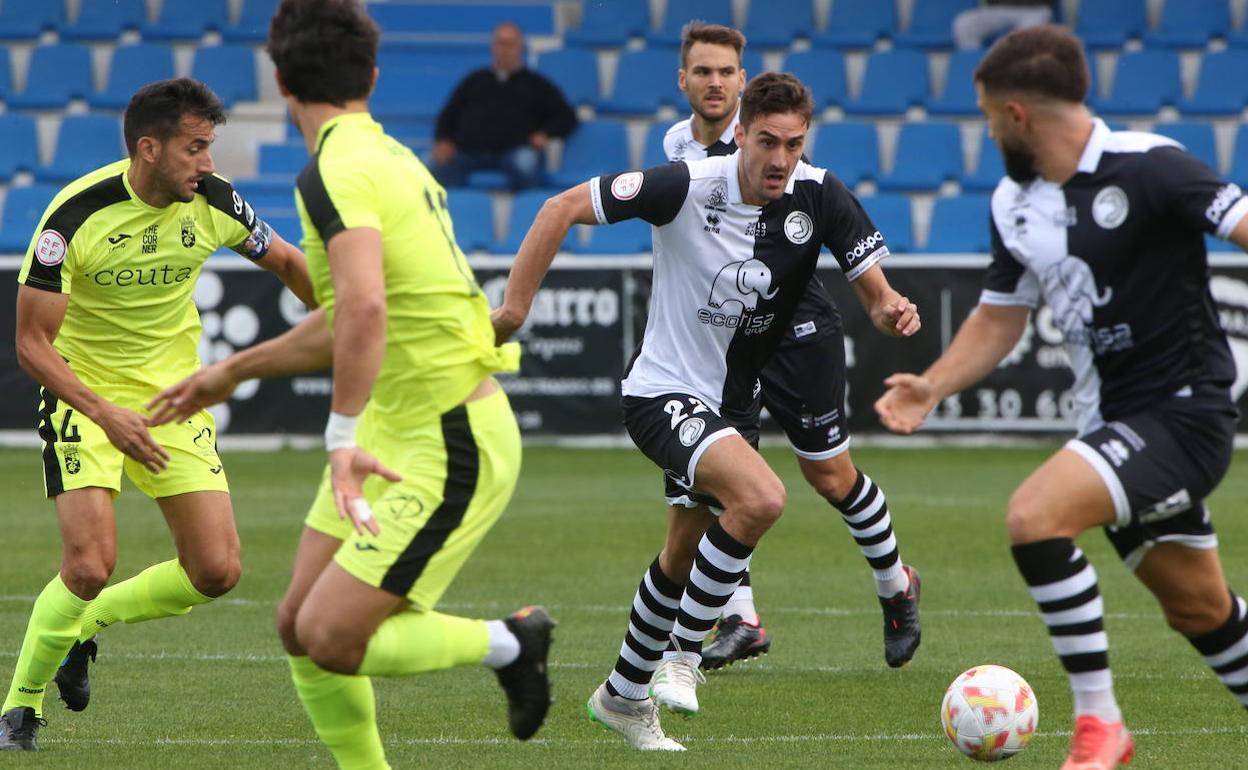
50	248
257	244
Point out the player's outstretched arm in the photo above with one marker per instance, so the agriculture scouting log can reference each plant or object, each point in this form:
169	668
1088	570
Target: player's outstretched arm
305	347
537	251
891	313
986	337
39	317
1239	236
288	263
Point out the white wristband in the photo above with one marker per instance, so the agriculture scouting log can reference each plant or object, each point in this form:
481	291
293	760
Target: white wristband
340	432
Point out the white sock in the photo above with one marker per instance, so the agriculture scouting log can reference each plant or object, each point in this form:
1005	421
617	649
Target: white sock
892	581
504	646
742	603
1099	703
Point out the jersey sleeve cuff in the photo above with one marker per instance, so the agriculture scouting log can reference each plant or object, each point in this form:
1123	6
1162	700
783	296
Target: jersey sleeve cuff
989	297
1232	218
866	264
595	196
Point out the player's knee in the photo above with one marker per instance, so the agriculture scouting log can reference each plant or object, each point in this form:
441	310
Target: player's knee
1194	615
763	507
337	655
1025	521
217	577
834	486
287	612
86	577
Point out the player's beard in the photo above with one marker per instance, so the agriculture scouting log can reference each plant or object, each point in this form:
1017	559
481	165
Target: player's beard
1020	162
727	108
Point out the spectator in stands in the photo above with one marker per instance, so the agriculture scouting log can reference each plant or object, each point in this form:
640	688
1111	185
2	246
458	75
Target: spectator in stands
975	27
500	118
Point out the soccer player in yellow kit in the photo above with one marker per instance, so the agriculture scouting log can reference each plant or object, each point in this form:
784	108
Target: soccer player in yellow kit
105	320
413	353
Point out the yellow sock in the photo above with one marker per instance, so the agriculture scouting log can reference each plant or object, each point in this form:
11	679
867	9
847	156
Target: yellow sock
343	712
52	629
416	642
160	591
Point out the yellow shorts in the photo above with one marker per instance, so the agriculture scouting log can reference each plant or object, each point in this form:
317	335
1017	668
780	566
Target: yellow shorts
77	454
458	475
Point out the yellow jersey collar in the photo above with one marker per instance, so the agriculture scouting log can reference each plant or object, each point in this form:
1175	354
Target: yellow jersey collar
359	119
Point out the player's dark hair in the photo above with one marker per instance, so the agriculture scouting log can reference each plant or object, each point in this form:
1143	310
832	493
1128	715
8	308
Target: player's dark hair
324	50
698	31
1046	60
775	92
157	109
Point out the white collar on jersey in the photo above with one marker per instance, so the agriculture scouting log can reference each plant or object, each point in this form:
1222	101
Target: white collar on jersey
728	137
1095	147
733	162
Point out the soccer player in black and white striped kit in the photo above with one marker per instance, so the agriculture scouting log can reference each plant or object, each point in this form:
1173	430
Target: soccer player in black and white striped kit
736	242
1107	228
803	387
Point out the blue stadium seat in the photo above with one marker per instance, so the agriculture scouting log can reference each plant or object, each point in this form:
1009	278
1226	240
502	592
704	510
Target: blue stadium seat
472	213
1239	157
229	70
931	23
959	95
850	150
823	70
610	23
282	160
652	151
23	208
644	81
632	236
187	19
1110	23
894	81
253	22
927	154
6	73
1218	246
891	216
1196	137
25	19
774	24
1143	82
105	21
19	144
752	61
1190	23
858	24
417	21
1222	88
524	208
681	12
959	225
268	204
287	225
56	74
596	147
84	143
575	71
437	74
133	66
990	168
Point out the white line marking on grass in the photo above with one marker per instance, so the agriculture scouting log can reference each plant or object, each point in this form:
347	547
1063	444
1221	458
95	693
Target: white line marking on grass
445	740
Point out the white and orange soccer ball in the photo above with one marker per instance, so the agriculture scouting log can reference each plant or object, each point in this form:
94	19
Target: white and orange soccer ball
989	713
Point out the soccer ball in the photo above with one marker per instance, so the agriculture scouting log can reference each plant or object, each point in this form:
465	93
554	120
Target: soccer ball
989	713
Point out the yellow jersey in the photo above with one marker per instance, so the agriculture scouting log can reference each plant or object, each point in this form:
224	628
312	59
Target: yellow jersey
439	340
130	269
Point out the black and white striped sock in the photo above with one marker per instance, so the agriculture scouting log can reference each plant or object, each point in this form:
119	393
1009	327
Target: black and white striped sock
718	567
1225	649
865	512
1064	584
649	631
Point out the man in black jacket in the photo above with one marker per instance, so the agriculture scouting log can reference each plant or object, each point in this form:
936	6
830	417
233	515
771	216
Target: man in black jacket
500	118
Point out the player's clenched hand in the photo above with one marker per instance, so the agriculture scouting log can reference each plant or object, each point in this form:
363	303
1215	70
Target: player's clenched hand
902	318
506	322
127	430
349	468
906	403
206	387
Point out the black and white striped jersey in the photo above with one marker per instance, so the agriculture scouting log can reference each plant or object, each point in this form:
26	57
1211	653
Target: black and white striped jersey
727	275
1118	255
817	315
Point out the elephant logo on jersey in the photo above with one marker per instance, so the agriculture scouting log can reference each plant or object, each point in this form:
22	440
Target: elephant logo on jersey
1110	207
742	282
1231	297
1070	289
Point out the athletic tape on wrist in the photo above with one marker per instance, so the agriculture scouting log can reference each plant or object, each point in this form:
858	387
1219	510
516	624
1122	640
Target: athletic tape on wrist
340	432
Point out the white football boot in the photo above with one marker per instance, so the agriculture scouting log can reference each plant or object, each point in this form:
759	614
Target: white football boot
637	721
675	682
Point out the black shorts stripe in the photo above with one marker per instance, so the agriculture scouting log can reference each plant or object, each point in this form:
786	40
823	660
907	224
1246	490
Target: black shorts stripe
321	209
47	431
462	468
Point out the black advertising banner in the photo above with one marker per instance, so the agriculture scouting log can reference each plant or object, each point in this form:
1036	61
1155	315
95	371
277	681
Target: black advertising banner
587	319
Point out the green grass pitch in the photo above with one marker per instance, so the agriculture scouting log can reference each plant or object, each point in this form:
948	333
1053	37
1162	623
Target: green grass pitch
211	690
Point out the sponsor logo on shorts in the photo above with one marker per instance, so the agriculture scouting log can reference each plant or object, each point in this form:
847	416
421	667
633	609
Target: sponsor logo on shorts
72	463
626	186
691	430
1116	452
804	329
50	248
215	470
1172	506
366	547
